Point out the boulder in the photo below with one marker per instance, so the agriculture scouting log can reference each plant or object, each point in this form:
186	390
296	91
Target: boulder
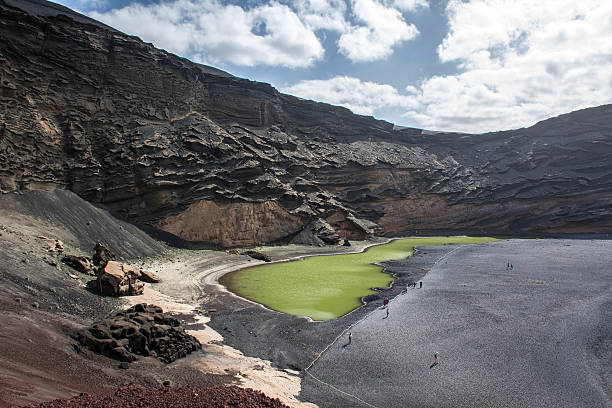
147	276
102	256
258	255
117	279
142	330
80	263
141	274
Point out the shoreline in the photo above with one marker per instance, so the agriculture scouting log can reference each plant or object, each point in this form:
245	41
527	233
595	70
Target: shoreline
473	306
221	358
242	333
212	278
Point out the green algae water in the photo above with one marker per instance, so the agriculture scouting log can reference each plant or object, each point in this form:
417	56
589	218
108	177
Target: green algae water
325	287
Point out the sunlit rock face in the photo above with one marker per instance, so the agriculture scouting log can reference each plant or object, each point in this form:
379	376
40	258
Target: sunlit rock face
210	157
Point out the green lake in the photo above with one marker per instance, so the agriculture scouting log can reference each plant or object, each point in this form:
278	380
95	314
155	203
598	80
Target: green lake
325	287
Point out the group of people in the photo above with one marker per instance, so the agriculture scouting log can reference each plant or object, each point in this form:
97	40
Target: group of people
386	306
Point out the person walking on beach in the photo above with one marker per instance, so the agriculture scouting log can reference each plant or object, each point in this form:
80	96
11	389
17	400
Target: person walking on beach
420	284
413	285
436	357
350	338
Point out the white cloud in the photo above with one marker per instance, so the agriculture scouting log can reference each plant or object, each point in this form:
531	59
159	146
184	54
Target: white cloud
363	98
322	14
521	61
525	63
270	34
409	5
93	4
382	29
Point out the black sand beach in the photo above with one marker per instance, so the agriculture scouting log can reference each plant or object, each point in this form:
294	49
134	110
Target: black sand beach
537	335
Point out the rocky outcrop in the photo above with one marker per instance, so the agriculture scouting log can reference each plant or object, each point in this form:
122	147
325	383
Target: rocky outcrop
210	157
102	255
232	223
317	232
117	279
142	330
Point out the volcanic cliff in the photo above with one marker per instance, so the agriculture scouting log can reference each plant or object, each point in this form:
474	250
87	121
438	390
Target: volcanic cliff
210	157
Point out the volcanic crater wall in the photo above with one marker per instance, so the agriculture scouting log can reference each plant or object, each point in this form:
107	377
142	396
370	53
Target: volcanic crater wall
210	157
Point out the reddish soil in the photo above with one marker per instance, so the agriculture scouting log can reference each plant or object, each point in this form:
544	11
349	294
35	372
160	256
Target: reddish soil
39	363
134	396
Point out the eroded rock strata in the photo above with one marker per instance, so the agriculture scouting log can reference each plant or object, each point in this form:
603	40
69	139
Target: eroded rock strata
210	157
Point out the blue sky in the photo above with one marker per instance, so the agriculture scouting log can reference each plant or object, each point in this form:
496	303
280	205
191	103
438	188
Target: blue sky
461	65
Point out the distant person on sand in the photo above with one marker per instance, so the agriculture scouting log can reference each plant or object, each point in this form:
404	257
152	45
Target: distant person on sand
385	302
413	285
350	340
420	284
435	363
387	311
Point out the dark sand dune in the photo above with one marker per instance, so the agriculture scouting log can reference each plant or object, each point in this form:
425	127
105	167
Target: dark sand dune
538	335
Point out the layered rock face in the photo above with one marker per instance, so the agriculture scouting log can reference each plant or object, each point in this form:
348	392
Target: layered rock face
210	157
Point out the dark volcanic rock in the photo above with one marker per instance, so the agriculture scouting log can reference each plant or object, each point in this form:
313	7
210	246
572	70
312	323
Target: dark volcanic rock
140	330
102	256
117	279
257	255
80	263
317	232
214	158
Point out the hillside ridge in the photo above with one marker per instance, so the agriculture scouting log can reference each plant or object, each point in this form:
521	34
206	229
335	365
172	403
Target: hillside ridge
210	157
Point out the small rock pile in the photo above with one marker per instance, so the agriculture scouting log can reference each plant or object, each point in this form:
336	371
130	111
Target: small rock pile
258	255
54	246
116	278
134	396
140	330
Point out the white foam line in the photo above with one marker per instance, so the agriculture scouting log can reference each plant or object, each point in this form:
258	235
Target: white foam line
351	326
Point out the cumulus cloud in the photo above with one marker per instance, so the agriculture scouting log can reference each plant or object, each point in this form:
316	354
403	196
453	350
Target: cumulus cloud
363	98
520	61
381	29
270	34
409	5
322	14
273	32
